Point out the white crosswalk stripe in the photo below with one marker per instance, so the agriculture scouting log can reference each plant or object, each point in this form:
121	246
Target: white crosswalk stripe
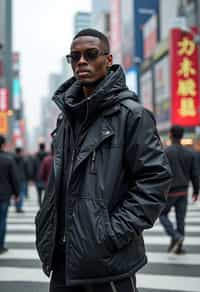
164	272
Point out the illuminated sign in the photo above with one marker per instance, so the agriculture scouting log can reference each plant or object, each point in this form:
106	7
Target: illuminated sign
3	123
184	79
3	99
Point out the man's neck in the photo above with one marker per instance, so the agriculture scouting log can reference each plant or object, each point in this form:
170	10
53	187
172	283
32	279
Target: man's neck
88	90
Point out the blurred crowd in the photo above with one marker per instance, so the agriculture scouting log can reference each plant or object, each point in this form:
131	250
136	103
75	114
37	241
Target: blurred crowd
17	170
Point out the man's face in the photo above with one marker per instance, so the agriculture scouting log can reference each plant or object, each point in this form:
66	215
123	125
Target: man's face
91	62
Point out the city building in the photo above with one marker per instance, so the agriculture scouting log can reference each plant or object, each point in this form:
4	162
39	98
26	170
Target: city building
101	16
6	78
49	110
82	20
169	75
127	18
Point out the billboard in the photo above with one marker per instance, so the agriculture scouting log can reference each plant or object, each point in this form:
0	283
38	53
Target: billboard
127	33
115	31
150	36
184	78
162	95
146	85
143	10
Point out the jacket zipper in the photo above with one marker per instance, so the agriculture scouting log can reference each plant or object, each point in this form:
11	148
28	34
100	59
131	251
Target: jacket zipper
92	168
67	223
75	143
48	267
67	187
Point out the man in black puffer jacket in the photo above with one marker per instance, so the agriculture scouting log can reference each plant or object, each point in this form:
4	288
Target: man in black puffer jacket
109	177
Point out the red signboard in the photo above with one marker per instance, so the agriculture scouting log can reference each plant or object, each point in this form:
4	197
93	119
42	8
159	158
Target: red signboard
3	99
184	79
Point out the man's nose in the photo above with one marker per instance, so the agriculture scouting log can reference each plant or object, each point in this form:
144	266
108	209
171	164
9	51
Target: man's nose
82	59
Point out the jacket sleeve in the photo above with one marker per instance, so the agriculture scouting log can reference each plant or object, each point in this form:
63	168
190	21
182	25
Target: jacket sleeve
149	179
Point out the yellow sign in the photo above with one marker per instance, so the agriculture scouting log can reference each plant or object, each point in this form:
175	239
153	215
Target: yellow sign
186	68
187	87
186	47
3	123
187	107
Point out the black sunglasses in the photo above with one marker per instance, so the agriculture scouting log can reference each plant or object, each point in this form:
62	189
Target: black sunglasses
89	55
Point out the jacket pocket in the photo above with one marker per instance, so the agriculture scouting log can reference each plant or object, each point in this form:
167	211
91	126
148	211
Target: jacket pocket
88	238
89	228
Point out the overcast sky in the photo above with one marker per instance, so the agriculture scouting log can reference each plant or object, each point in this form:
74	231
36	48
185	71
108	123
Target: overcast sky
42	33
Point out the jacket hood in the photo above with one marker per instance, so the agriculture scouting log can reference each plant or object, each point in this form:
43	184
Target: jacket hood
69	95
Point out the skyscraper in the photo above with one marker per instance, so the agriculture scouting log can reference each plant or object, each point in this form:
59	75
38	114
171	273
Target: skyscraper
82	20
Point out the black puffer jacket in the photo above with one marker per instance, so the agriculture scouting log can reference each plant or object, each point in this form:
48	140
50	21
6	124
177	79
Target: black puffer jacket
184	166
9	182
116	184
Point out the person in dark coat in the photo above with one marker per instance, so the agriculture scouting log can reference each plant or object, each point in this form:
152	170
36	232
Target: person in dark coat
37	160
109	178
184	167
22	172
45	167
9	185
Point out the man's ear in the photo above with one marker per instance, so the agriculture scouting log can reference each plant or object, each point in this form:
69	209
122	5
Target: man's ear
109	60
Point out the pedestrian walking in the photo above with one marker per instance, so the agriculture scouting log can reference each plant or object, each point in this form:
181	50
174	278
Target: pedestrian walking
109	177
45	167
37	160
22	172
184	167
9	185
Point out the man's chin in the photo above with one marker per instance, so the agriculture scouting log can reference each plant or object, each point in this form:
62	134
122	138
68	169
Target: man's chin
88	83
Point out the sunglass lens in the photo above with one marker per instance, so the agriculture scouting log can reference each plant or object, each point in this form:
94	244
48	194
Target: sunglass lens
91	55
75	56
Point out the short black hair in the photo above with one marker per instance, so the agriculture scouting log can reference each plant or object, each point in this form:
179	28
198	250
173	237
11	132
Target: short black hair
2	140
42	146
177	132
18	150
94	33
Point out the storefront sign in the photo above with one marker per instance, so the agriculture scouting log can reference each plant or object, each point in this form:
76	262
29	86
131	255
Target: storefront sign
3	123
184	79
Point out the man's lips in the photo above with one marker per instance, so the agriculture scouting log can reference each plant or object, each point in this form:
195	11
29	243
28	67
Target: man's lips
82	73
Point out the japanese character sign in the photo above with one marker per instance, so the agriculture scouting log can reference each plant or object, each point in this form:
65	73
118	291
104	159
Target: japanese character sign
184	79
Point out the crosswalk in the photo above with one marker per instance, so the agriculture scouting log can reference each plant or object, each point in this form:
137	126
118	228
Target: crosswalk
20	268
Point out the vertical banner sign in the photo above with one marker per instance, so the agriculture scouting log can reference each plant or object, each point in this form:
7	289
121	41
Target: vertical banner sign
184	79
3	123
3	99
115	27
